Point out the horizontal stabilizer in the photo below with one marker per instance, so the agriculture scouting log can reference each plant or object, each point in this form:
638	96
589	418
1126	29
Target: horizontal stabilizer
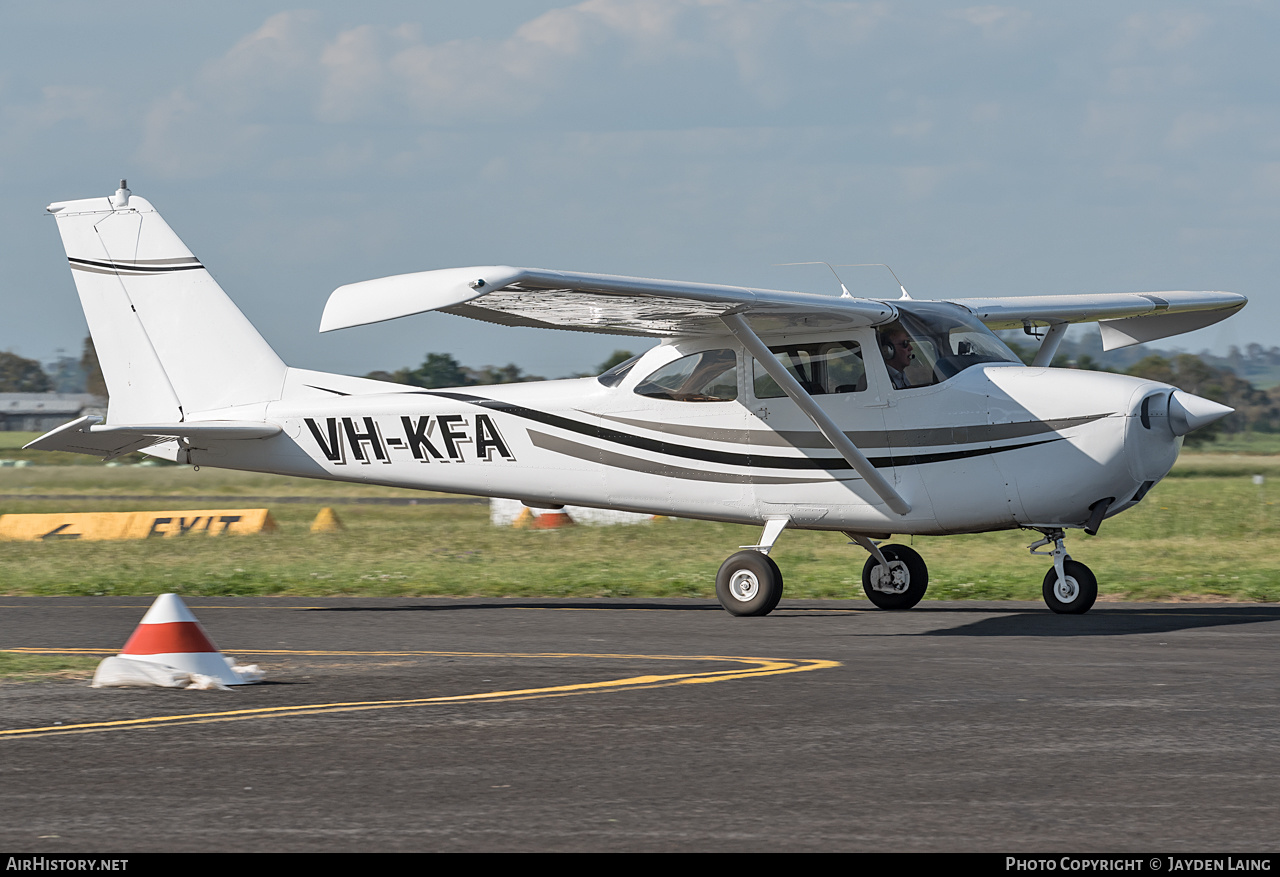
86	436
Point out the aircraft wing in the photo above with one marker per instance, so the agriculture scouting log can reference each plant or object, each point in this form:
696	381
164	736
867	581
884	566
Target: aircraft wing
86	436
1124	318
591	303
614	305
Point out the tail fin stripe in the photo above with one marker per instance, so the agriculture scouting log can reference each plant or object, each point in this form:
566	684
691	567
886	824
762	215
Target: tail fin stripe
133	268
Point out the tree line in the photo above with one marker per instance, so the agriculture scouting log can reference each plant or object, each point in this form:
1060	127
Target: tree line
1219	378
442	370
65	375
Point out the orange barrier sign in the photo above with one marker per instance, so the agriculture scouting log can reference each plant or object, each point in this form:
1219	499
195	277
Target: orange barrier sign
92	526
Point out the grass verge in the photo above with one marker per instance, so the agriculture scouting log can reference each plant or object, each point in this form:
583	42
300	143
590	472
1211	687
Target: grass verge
1201	534
1208	529
15	667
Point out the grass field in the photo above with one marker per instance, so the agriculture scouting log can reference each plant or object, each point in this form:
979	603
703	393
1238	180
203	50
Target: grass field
24	668
1252	443
1207	530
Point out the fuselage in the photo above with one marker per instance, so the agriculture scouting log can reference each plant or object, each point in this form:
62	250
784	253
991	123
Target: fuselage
994	446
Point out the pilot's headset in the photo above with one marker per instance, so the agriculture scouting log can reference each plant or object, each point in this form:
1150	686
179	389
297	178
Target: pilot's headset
887	347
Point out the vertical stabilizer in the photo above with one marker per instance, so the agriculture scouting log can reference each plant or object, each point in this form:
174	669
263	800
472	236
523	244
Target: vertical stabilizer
169	340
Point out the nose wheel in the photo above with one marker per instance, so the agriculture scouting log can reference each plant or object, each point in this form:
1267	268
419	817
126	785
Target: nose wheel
1070	587
1074	592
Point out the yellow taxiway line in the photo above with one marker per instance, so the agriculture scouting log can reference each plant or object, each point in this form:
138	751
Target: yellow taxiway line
750	668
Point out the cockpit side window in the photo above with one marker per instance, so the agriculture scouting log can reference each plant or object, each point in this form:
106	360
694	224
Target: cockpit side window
821	367
709	376
933	341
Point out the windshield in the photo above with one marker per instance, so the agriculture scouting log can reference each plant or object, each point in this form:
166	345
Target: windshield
933	341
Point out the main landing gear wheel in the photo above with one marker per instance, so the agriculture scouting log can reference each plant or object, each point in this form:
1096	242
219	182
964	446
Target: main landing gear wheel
1074	595
749	583
902	585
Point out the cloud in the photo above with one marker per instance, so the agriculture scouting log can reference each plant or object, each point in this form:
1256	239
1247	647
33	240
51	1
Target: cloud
601	60
996	22
945	99
1166	31
57	107
278	60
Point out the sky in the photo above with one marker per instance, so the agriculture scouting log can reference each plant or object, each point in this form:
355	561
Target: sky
1022	148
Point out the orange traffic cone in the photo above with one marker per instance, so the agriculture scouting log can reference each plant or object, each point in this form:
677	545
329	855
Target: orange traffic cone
170	635
552	520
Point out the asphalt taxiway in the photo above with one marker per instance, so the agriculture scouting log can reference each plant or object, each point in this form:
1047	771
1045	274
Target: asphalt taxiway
486	724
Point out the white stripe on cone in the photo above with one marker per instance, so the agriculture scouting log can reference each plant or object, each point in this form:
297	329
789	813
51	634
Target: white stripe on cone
166	609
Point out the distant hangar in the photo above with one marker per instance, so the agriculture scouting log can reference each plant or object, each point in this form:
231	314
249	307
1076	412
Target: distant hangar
41	412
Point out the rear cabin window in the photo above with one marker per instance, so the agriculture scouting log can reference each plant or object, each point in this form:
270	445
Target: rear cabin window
709	376
614	376
821	368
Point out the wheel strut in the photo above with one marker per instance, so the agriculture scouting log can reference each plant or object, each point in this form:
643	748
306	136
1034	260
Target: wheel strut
1059	552
749	582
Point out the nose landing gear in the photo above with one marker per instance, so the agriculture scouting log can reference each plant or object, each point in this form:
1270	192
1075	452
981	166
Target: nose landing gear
1070	588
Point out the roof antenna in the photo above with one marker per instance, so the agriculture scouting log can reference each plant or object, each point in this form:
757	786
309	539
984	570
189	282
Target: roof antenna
905	296
844	290
121	198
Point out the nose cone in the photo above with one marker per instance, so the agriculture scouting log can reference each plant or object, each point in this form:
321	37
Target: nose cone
1188	412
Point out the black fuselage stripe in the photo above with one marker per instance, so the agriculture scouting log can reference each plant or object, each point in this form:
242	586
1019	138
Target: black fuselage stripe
725	458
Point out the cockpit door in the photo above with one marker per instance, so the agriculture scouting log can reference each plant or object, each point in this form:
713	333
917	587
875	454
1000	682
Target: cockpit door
797	472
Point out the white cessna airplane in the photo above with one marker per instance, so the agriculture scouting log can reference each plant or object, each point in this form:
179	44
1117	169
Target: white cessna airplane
781	409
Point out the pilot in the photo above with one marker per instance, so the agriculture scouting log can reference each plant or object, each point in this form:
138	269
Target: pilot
895	346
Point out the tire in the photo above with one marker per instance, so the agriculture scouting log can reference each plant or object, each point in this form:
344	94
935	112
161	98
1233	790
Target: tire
749	583
905	562
1080	592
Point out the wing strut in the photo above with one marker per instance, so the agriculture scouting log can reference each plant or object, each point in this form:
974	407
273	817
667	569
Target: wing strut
1049	346
742	330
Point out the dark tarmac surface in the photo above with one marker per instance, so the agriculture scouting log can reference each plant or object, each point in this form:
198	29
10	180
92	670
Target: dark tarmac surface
495	725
